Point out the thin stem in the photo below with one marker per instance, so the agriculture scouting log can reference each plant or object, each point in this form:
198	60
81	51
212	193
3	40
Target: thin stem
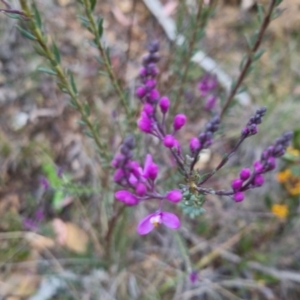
10	10
104	56
249	60
61	75
191	46
223	161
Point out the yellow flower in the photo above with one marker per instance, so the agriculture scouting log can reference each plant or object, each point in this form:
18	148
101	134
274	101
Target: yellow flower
293	190
284	175
293	151
280	210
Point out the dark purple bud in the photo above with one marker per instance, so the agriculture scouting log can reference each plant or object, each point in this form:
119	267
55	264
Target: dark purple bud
193	276
118	175
153	47
271	163
125	149
129	141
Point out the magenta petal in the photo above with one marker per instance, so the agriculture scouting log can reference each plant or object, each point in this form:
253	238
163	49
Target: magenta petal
170	220
147	165
174	196
126	197
133	180
145	226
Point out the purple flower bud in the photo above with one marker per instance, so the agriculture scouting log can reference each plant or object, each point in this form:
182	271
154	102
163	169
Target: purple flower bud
174	196
44	183
153	171
118	160
140	189
126	197
169	141
140	92
150	84
236	184
245	174
193	276
238	197
210	102
153	96
148	109
253	129
164	104
144	123
143	72
271	163
194	144
179	121
245	131
258	167
118	175
259	180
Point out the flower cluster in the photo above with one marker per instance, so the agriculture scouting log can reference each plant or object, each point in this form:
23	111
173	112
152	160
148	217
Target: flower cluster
208	90
138	181
255	178
139	185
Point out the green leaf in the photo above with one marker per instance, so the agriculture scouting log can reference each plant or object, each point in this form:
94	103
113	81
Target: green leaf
93	4
296	138
57	199
87	109
37	16
108	55
56	53
50	172
73	84
100	27
45	70
258	54
26	34
260	12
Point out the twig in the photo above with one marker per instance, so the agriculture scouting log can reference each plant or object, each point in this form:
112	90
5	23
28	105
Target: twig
200	57
10	10
249	61
191	47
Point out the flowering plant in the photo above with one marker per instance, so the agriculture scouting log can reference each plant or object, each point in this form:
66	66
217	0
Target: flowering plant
139	183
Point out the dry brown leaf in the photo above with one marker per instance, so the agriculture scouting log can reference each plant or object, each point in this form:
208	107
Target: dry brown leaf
10	202
70	236
39	242
19	284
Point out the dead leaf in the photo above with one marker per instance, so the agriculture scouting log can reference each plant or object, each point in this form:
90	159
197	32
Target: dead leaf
19	284
70	236
10	202
39	242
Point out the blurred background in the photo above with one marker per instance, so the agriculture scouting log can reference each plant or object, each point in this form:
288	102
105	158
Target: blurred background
54	194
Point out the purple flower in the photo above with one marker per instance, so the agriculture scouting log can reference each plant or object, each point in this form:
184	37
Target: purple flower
179	121
259	180
126	197
164	104
153	95
153	220
144	123
245	174
141	92
210	102
238	197
193	276
258	167
148	109
194	144
44	182
169	141
140	189
207	83
150	168
236	184
174	196
118	175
